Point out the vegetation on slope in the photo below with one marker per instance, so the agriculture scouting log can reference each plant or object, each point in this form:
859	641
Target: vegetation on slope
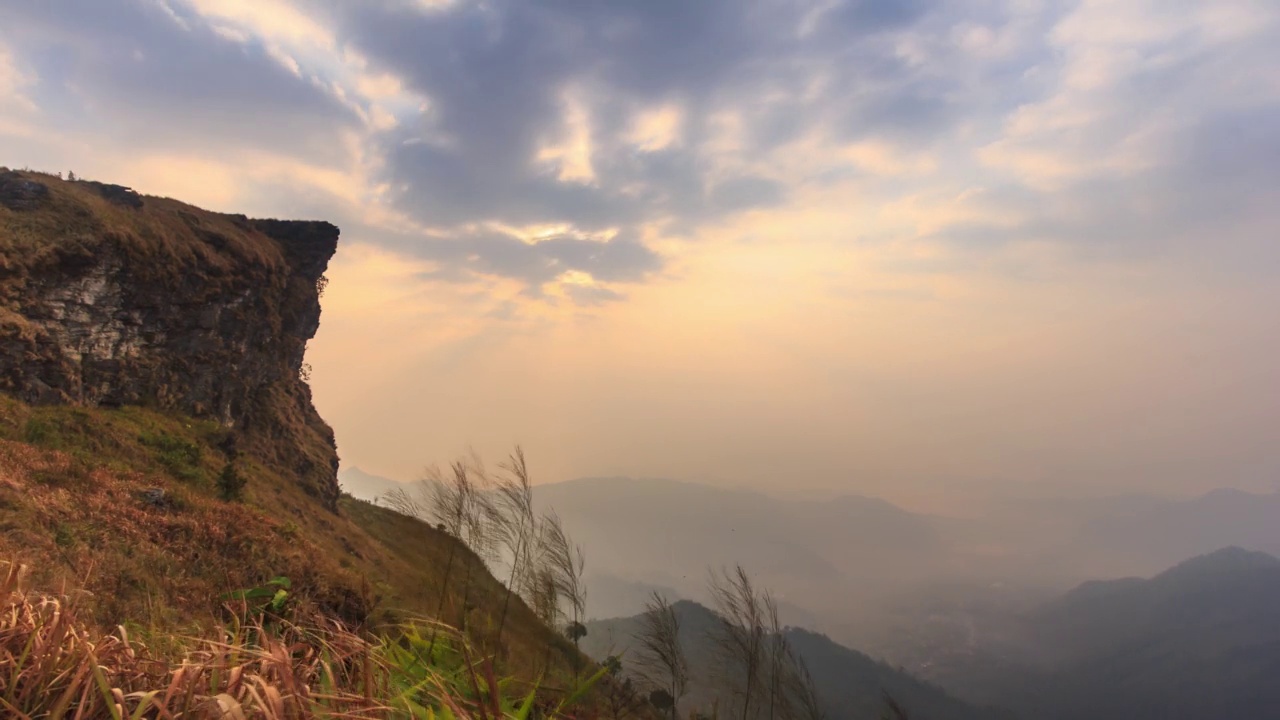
122	507
311	667
159	454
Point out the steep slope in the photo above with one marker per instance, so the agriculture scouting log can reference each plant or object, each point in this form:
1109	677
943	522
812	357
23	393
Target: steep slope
849	683
148	351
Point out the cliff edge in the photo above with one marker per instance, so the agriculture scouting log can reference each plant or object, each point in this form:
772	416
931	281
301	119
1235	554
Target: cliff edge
109	298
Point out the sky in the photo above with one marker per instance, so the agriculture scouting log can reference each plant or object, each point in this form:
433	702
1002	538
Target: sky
920	249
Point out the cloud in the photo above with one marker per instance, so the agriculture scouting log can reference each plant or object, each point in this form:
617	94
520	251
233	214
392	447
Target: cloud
457	257
608	115
152	74
457	126
16	109
1152	134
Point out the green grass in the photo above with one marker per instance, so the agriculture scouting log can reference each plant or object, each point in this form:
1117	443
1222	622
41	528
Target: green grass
122	439
180	456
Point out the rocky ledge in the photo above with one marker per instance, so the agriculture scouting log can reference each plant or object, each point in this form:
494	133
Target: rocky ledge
110	298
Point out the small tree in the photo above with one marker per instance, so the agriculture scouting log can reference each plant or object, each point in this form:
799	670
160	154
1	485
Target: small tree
231	483
612	665
620	696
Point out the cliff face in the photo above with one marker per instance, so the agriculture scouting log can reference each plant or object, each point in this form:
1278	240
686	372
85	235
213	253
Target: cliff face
110	298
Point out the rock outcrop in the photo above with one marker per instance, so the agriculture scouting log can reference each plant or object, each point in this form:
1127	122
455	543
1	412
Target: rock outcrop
109	298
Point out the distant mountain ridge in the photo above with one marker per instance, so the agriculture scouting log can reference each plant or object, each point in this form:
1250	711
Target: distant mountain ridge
1164	533
1214	592
669	533
850	684
1200	640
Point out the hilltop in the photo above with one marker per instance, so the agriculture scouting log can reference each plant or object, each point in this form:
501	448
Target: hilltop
110	299
158	445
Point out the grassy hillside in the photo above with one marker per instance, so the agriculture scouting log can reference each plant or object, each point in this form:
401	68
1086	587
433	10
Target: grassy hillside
123	504
69	215
163	473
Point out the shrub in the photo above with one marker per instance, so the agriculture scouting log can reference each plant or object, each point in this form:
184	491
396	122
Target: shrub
231	483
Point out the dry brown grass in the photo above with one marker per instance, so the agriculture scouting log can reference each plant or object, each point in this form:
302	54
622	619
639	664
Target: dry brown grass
71	506
88	526
52	665
76	215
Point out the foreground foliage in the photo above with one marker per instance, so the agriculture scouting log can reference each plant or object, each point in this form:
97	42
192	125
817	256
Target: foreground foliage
124	503
257	666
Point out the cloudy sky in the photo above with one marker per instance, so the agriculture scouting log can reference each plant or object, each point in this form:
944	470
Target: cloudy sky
914	248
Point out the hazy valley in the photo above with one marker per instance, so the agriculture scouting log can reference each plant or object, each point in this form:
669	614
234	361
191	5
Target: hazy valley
988	608
639	360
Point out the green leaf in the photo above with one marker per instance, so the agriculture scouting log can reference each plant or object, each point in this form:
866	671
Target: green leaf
251	594
100	678
526	707
583	689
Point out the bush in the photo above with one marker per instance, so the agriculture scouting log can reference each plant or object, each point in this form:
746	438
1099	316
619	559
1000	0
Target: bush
231	483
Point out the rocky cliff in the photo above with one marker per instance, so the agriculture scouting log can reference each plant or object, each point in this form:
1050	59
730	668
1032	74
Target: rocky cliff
110	298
